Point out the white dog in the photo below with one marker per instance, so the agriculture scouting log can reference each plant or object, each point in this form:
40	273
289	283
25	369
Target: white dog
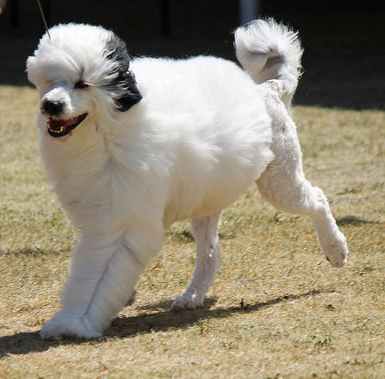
131	146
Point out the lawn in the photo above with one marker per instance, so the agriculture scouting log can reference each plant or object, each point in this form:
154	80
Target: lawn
276	310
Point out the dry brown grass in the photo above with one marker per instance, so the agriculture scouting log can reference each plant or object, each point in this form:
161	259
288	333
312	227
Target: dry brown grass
277	309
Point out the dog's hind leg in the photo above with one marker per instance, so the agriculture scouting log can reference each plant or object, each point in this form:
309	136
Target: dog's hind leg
205	232
284	185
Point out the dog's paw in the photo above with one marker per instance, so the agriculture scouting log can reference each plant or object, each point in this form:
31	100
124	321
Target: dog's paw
68	325
336	250
187	301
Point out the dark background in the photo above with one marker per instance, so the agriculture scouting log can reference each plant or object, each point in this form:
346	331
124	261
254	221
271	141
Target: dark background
344	59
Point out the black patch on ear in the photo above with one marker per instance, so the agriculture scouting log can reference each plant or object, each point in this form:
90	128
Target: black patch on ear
123	86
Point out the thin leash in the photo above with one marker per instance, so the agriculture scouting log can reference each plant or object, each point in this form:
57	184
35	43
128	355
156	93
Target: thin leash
43	17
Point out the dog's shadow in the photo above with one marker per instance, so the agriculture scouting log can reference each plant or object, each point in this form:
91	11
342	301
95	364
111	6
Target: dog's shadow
354	221
161	320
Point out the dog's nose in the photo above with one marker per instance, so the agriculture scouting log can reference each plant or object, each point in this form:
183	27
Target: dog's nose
52	108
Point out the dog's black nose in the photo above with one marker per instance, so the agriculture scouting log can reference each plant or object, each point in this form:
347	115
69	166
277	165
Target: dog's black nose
52	108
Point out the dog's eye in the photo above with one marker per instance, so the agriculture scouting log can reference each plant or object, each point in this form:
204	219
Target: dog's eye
80	84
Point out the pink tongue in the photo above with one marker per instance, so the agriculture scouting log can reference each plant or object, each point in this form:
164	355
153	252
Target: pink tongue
68	122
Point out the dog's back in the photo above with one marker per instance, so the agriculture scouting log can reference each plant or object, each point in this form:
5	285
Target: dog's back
197	83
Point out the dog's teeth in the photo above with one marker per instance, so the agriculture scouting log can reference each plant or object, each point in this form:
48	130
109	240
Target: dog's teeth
54	131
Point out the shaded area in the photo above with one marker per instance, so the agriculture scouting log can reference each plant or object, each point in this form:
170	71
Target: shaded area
27	342
166	305
354	221
343	60
162	321
123	326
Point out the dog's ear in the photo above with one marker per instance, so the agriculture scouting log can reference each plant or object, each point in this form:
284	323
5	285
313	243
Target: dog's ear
123	85
130	95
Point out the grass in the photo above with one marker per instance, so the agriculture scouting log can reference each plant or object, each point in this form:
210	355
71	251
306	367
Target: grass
276	310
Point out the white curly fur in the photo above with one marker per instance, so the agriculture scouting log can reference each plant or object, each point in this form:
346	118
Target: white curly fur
202	134
269	50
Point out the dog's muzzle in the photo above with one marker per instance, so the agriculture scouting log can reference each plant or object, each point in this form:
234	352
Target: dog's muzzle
60	127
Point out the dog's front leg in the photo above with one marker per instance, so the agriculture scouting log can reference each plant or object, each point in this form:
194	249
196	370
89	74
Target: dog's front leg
102	279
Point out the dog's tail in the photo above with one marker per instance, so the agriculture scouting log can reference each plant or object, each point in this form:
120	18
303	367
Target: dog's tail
268	50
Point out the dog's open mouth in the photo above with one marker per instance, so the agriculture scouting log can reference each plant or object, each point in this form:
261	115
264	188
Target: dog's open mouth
60	128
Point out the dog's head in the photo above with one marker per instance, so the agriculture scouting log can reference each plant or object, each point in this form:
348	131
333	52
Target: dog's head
80	70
